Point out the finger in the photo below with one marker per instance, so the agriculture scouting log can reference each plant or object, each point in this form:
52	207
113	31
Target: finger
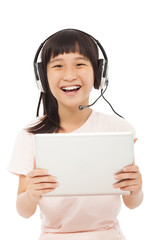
43	186
45	179
37	172
130	188
123	176
125	183
41	192
132	168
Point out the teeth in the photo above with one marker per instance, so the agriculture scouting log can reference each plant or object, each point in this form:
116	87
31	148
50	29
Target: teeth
70	88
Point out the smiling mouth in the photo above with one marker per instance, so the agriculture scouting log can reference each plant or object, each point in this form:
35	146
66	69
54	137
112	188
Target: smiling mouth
71	88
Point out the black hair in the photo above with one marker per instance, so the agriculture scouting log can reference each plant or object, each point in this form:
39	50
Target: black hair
65	41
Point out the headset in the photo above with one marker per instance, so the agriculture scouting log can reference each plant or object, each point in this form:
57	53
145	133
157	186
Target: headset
102	64
41	80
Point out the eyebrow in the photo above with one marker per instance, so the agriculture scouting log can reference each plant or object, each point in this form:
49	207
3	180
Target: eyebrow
61	59
56	60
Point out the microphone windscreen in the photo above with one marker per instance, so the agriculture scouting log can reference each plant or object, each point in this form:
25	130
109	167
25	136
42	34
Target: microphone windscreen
81	107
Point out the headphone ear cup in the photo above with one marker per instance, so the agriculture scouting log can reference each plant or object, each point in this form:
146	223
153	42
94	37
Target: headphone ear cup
103	78
100	73
41	81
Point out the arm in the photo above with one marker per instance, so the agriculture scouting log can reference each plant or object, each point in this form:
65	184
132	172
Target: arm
26	205
130	179
31	187
134	200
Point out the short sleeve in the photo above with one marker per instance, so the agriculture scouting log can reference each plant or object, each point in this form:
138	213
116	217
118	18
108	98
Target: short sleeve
124	126
22	160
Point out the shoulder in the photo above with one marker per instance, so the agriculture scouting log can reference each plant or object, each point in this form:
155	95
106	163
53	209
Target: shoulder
23	135
34	122
112	123
113	120
22	159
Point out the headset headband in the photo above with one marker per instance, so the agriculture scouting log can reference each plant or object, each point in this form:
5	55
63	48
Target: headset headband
101	62
103	69
98	43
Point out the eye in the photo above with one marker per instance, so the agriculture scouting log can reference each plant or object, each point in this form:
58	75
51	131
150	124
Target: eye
80	64
57	66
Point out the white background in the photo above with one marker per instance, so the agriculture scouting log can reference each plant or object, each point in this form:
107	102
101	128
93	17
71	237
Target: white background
129	32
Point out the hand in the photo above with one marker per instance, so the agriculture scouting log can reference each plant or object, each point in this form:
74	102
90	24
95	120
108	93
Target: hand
129	179
39	182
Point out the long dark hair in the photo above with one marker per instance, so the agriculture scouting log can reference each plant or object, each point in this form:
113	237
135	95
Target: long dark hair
64	41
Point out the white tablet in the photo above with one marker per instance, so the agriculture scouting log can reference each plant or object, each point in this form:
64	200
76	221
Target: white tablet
84	163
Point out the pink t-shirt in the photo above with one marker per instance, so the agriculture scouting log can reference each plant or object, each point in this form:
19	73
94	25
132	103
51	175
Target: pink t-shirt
75	218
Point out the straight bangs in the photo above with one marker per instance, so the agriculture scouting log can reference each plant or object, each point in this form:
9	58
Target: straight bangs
70	41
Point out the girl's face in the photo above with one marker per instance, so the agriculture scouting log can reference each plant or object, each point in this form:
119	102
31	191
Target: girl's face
71	78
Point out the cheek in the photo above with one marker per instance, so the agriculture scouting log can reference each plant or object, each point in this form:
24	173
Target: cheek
90	79
51	81
87	75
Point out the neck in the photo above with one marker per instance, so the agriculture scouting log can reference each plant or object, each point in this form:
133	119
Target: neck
72	119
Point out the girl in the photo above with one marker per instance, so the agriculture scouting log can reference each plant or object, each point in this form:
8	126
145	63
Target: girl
69	69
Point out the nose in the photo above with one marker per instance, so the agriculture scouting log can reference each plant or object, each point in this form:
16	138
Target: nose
69	74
